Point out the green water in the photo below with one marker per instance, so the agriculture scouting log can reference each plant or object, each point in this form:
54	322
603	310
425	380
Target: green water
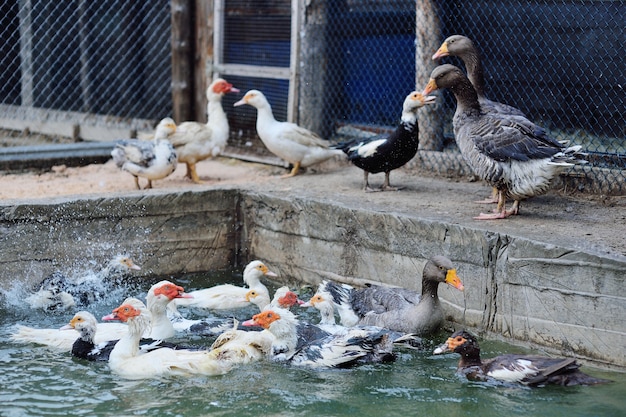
35	381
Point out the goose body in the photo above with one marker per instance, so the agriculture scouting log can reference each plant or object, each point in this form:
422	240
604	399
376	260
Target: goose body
293	143
152	160
531	370
510	152
195	142
396	309
385	153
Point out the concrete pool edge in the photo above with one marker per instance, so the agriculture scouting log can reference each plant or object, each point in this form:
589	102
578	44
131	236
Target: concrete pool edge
562	299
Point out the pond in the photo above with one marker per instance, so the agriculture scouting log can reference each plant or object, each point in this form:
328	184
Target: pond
37	381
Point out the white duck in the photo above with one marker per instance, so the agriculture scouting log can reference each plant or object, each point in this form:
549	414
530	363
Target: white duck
195	142
354	346
395	308
158	297
295	144
228	296
57	292
153	160
211	326
128	362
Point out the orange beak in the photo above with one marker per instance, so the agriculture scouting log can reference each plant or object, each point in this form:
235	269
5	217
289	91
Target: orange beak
441	52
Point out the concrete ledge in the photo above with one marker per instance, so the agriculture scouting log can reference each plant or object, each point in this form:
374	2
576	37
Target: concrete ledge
559	296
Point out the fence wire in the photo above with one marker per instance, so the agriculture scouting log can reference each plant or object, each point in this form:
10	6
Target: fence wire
104	57
559	61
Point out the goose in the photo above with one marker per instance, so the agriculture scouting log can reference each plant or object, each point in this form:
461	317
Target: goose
228	296
463	47
353	347
127	362
395	308
509	152
530	370
297	145
58	292
195	142
384	153
323	302
153	160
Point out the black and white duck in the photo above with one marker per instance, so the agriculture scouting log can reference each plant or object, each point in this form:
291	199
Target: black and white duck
384	153
531	370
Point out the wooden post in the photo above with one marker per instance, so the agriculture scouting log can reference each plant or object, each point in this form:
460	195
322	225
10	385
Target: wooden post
182	59
427	42
203	69
313	51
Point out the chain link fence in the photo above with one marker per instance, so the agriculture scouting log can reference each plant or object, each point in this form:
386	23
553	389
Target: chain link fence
559	61
103	57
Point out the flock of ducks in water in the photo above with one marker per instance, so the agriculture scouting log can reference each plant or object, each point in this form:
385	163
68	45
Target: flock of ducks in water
356	326
518	158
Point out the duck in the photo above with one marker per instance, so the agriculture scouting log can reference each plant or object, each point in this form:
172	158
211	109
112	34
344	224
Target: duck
58	292
324	350
298	146
85	346
509	152
396	308
463	47
213	326
126	361
153	160
241	345
159	295
228	296
385	153
529	370
195	142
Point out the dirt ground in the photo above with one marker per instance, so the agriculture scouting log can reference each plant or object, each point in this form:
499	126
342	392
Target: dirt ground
594	223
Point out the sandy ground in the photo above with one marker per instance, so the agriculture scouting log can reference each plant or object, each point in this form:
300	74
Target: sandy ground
595	223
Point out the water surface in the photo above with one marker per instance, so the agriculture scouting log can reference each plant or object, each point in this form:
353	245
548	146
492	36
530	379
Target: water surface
37	381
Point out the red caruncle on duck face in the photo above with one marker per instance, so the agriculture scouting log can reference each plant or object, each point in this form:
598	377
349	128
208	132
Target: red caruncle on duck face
171	291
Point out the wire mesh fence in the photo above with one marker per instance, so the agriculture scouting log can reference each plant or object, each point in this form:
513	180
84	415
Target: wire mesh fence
110	57
559	61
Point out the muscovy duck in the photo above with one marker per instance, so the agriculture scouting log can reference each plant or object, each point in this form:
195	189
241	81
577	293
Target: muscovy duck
384	153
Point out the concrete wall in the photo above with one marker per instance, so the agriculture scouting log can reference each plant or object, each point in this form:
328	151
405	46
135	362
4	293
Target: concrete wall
568	301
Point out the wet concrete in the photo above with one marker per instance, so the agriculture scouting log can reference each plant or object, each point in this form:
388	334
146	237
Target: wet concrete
552	277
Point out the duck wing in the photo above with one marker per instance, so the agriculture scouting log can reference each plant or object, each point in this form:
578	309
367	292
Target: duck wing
140	152
303	136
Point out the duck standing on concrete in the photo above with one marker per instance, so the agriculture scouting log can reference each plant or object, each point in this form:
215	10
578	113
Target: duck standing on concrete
153	160
384	153
297	145
195	142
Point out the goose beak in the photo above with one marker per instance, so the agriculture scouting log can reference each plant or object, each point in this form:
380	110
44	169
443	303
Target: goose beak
453	280
430	87
441	52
